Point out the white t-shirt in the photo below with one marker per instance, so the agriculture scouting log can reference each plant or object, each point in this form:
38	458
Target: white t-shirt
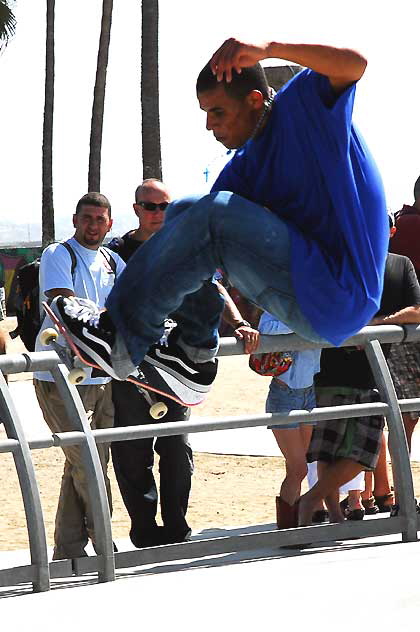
92	278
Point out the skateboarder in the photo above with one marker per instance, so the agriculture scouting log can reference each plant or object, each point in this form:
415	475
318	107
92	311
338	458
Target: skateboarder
297	219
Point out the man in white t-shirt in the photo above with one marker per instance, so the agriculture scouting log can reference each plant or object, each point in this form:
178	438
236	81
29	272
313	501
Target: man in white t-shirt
80	267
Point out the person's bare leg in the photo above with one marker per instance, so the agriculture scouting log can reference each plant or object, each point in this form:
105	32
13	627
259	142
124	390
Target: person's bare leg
332	502
380	473
384	497
293	443
332	499
306	435
331	477
355	499
367	493
409	425
320	507
2	342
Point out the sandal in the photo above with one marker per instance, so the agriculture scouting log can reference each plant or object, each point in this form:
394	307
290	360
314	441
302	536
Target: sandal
344	504
354	514
371	508
319	516
385	502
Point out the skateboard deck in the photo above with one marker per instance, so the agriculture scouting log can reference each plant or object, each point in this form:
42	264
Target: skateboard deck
153	382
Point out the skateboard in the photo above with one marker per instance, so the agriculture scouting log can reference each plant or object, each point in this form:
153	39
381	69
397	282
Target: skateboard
152	382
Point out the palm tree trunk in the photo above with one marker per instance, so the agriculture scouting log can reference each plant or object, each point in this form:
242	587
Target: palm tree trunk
94	176
152	161
48	232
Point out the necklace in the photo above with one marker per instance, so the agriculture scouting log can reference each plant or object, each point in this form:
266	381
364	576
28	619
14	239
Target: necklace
268	104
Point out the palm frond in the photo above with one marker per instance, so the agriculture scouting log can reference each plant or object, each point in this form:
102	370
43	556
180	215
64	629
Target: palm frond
7	23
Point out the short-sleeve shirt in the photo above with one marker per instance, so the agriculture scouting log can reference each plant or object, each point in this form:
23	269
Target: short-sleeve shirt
92	278
125	246
312	168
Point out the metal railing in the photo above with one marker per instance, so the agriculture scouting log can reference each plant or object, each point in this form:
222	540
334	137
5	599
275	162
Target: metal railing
40	571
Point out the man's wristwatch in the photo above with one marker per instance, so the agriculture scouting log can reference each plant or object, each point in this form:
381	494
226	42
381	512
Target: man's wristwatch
243	323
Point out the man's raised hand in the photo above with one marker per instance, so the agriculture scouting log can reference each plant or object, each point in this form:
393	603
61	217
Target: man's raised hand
236	55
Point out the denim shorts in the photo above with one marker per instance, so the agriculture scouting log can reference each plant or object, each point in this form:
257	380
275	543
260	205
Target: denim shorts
282	399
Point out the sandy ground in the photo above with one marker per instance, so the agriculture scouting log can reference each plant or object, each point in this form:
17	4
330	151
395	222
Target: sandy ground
226	490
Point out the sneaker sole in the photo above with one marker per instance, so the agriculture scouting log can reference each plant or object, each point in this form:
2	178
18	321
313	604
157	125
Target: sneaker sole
89	357
193	386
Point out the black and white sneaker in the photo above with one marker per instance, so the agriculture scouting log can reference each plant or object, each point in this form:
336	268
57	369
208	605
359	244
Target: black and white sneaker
92	330
167	355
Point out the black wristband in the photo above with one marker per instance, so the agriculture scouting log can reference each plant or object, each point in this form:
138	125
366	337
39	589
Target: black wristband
243	323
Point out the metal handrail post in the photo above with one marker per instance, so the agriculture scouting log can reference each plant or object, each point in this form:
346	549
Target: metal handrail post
94	474
397	440
29	489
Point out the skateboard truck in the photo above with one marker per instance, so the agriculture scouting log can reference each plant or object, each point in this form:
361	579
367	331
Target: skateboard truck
77	373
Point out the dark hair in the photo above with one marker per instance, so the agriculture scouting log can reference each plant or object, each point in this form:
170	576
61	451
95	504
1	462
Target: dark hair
94	199
251	78
417	188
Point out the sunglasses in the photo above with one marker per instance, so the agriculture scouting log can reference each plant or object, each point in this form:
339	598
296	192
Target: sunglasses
151	206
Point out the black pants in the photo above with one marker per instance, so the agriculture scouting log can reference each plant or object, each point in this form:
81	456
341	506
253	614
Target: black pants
133	463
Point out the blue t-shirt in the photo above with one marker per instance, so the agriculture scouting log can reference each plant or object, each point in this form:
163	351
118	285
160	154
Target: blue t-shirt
312	168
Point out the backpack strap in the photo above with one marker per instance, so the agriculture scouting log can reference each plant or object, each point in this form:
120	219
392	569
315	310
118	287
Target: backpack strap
73	267
72	255
106	252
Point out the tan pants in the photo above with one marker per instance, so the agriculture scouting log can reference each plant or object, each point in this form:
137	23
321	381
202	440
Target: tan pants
74	520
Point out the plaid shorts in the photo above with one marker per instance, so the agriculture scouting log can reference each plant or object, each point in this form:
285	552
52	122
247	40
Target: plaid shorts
404	364
356	438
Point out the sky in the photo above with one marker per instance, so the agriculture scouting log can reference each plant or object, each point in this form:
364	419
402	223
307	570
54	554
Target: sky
386	110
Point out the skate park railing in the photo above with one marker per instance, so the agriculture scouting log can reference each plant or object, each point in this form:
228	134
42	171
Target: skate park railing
40	571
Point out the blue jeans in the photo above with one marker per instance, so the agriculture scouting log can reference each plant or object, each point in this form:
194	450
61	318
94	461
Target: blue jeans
283	399
201	234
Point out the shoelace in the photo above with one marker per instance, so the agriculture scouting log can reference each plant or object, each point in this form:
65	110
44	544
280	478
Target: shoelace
83	309
169	325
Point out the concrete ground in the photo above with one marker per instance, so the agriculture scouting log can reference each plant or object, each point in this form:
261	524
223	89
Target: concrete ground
341	586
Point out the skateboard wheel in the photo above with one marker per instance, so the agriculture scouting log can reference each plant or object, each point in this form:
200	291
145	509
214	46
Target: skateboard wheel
77	376
48	336
158	410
